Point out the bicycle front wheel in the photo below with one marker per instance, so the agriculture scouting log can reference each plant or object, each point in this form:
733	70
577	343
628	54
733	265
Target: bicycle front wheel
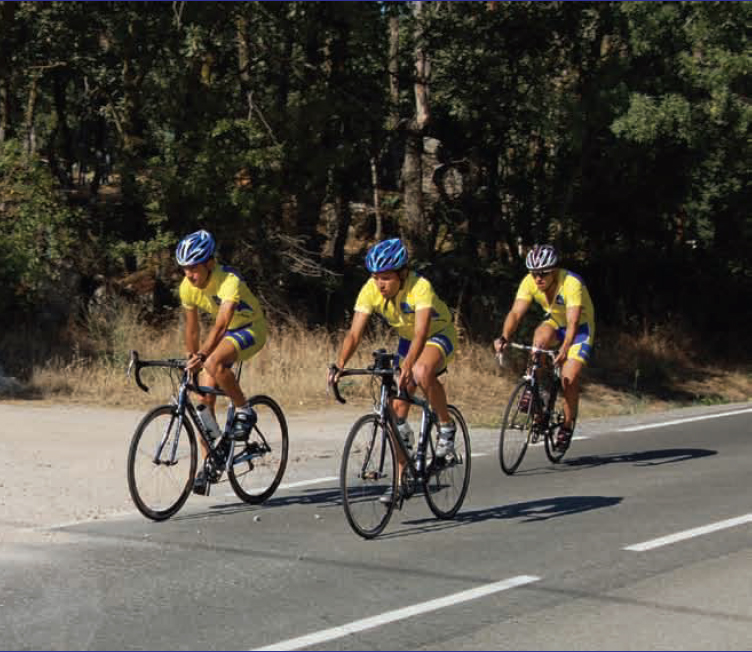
515	428
161	463
258	466
448	478
367	473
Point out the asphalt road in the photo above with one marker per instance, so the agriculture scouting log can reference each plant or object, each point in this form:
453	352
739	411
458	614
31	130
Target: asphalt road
640	539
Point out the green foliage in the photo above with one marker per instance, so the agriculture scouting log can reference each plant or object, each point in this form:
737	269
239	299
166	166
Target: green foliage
610	129
37	226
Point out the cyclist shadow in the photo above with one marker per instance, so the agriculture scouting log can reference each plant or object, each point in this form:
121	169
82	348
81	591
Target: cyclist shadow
533	511
657	457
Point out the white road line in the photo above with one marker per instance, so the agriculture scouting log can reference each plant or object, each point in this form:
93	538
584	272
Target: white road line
333	633
648	426
689	534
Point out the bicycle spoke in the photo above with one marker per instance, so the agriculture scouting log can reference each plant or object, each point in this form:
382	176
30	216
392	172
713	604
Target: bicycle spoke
448	477
367	472
160	487
515	428
259	464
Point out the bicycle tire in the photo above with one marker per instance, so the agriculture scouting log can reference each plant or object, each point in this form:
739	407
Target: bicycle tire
259	465
514	435
553	453
447	480
368	469
155	477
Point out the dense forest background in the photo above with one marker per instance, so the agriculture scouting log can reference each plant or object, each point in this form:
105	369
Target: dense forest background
300	133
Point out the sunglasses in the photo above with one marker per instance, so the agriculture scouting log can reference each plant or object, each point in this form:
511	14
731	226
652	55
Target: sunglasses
542	274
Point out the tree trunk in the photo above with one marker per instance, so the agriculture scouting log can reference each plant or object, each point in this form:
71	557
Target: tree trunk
63	168
7	16
379	231
418	233
393	67
4	108
31	105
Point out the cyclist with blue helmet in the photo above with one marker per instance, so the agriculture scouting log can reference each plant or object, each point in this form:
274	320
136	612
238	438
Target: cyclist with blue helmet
427	338
569	324
238	333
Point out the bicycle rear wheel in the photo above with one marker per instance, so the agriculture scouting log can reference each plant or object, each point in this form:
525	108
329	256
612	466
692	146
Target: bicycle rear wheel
448	478
367	472
515	428
161	463
259	464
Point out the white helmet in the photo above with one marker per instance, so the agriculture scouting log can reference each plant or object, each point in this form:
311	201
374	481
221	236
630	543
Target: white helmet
541	257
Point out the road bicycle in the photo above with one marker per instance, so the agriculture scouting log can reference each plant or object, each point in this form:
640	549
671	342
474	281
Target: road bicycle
535	410
163	456
369	471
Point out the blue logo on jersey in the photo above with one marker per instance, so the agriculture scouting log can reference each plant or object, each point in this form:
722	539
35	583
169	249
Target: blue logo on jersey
559	300
405	307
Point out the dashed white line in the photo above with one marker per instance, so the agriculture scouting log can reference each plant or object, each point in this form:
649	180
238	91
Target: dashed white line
675	422
333	633
689	534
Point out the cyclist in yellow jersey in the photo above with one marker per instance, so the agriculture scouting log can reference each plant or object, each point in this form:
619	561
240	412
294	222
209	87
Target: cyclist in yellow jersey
569	324
427	338
238	333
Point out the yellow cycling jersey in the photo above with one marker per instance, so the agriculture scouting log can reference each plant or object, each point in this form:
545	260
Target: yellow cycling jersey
399	312
225	284
571	292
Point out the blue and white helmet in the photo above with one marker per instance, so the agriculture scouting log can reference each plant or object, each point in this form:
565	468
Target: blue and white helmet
541	257
195	248
386	256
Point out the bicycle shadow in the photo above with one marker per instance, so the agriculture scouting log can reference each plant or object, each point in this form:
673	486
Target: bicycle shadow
320	497
640	459
533	511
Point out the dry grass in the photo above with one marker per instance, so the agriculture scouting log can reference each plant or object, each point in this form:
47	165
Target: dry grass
632	375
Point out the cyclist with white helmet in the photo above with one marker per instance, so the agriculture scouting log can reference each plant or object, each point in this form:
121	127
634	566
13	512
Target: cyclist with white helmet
569	324
427	338
238	333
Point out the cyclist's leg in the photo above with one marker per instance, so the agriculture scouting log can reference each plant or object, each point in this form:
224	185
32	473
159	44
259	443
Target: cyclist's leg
570	384
205	380
431	361
401	408
436	355
577	358
218	367
237	345
546	335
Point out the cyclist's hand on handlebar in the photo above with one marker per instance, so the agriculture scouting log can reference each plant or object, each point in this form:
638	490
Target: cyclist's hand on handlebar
561	356
500	343
195	362
332	374
405	378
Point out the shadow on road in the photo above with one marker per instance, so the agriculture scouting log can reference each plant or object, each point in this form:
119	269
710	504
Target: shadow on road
321	497
642	458
638	459
528	512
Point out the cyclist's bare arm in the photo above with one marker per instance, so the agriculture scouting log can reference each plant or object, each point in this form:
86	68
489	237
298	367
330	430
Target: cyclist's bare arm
215	334
422	326
351	342
512	321
191	331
